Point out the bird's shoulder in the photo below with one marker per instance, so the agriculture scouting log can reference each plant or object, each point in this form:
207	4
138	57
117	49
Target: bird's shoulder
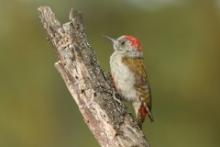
136	65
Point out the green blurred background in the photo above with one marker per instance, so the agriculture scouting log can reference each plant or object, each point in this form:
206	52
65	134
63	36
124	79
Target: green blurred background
181	40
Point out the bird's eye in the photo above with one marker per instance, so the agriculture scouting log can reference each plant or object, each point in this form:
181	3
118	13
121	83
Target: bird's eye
123	43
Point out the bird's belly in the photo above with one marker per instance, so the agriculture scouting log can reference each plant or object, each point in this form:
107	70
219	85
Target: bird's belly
124	80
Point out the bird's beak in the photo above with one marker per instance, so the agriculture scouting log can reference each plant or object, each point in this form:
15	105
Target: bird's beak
110	38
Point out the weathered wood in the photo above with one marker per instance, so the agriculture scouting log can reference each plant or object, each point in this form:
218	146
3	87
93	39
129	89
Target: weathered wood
108	120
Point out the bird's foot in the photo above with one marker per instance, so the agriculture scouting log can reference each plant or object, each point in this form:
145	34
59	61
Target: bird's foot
117	97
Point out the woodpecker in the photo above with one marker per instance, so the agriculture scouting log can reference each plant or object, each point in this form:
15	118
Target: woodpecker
129	75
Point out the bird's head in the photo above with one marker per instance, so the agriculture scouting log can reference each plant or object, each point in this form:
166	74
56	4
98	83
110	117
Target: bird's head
128	45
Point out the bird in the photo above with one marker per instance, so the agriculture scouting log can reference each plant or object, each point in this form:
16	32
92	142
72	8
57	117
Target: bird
129	75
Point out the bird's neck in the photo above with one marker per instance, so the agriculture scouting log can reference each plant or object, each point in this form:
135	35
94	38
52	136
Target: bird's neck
131	55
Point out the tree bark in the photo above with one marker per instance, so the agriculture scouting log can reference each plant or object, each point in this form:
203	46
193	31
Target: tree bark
106	117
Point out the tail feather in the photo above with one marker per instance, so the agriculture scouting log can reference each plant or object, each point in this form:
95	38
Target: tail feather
150	116
143	112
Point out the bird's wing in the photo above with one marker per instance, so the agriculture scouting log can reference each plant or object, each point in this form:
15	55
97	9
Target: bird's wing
142	84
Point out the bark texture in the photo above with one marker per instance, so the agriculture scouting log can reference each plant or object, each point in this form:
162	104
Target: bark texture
106	117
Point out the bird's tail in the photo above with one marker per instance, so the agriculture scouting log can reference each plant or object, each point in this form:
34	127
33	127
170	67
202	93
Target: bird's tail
143	112
150	116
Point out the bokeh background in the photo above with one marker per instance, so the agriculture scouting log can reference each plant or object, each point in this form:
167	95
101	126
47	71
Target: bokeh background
181	40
